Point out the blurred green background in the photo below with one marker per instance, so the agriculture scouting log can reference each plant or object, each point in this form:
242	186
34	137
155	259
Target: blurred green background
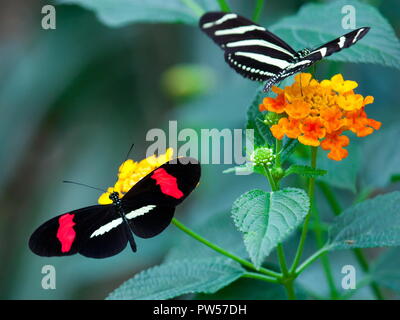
72	101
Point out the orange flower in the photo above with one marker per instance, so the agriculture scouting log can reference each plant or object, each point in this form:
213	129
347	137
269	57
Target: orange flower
276	105
317	113
335	144
312	130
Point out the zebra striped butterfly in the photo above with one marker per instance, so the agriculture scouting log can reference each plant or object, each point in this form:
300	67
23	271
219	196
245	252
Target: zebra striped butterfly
260	55
102	231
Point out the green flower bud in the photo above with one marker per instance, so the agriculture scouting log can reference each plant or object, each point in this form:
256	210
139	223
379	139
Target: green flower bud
263	156
271	118
277	173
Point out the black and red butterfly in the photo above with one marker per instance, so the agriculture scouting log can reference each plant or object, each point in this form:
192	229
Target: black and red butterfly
102	231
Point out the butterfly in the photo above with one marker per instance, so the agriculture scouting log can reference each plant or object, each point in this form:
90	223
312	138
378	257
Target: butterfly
260	55
102	231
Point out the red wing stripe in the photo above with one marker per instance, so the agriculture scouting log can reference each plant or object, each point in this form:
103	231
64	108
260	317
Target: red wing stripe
167	183
66	233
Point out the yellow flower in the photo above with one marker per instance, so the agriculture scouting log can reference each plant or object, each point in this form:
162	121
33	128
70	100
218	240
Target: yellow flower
130	172
317	113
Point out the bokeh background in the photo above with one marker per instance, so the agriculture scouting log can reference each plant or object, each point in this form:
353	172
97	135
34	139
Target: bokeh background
73	100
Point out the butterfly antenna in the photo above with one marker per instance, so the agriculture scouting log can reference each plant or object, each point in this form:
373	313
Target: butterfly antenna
301	86
84	185
127	156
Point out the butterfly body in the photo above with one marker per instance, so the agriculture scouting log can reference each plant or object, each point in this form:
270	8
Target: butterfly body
260	55
102	231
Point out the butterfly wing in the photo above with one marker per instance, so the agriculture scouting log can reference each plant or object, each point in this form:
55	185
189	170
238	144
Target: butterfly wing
345	41
94	231
150	205
250	49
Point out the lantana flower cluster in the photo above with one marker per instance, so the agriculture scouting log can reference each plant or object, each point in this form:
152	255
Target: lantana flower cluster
131	172
318	113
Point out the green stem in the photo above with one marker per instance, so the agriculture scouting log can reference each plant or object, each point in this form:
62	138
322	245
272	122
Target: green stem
193	5
290	290
358	253
213	246
310	260
324	259
258	276
278	149
303	237
282	260
258	10
223	5
271	179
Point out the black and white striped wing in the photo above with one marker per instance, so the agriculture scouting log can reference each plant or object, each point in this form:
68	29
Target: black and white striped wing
250	49
345	41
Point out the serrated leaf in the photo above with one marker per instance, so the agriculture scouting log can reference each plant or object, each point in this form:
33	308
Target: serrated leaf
305	171
117	13
262	133
385	271
268	218
316	24
176	278
371	223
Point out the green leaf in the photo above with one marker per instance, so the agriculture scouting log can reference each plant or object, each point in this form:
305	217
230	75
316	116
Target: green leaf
176	278
268	218
316	24
117	13
385	271
341	174
262	133
247	289
383	150
288	148
371	223
305	171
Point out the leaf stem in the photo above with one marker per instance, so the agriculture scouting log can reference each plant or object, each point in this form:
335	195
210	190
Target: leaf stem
193	5
303	237
218	249
310	260
258	10
224	5
282	260
324	259
290	290
258	276
278	149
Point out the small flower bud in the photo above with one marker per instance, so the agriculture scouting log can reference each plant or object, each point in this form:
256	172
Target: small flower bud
277	173
271	118
263	156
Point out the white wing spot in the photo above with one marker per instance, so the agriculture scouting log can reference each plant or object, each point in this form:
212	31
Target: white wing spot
139	212
226	17
238	30
116	222
341	41
358	33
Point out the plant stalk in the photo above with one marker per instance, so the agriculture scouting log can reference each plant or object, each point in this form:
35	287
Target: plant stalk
194	6
218	249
